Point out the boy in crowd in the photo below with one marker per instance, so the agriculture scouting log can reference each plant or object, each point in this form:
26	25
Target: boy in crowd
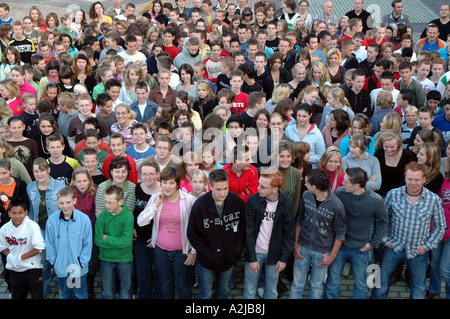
368	64
23	259
213	63
140	149
359	98
38	63
434	99
105	105
68	111
118	145
405	99
426	117
92	141
240	103
91	123
90	161
223	79
423	69
61	166
29	115
406	81
24	45
442	121
169	45
143	108
114	237
68	241
387	80
256	101
411	116
263	74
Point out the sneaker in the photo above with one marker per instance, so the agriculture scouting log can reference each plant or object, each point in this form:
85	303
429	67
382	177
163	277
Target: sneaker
260	292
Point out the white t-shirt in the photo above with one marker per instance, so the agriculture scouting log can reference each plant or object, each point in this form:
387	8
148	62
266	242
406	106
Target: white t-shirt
265	230
373	98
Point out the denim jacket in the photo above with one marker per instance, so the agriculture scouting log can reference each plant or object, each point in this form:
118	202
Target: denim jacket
50	198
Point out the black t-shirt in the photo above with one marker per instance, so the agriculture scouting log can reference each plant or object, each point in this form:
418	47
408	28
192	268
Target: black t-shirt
142	199
25	47
273	44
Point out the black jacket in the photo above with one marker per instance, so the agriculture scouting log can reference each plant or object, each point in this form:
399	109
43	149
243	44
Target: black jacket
20	193
282	238
218	241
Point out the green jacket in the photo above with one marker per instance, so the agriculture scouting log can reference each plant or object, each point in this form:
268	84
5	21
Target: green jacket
118	243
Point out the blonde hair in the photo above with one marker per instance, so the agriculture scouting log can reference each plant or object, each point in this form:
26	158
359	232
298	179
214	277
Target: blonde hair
5	110
339	94
126	74
384	99
393	121
334	51
389	135
281	91
328	154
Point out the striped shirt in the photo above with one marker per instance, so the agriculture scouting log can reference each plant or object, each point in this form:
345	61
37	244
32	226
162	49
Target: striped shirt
410	224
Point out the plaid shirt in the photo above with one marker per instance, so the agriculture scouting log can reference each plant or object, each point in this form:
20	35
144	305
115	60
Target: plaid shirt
331	19
410	224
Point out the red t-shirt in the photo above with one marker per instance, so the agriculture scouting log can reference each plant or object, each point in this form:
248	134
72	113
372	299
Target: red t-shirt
173	51
132	176
240	103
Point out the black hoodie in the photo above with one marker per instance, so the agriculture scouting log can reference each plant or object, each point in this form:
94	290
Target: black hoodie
217	240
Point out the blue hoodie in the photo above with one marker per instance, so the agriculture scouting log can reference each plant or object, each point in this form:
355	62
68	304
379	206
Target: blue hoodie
68	243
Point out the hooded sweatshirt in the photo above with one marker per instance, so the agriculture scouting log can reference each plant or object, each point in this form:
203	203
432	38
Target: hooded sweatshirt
186	57
118	243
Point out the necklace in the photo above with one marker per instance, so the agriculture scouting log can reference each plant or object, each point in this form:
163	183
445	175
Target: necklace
414	195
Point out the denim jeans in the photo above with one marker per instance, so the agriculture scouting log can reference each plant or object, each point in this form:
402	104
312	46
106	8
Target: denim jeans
172	272
206	278
417	269
440	267
78	288
47	271
124	271
252	278
301	268
144	258
359	262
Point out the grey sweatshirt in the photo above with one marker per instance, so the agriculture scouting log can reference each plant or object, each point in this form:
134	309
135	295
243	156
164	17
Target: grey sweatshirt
370	164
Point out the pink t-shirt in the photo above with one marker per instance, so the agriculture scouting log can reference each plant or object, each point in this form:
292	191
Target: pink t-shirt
169	233
265	230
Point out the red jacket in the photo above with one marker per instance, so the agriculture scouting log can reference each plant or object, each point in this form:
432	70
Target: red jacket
245	185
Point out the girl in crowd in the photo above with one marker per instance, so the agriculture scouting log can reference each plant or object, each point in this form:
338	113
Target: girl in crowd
37	19
200	184
125	121
278	73
133	74
144	252
359	157
336	100
10	58
360	125
331	163
47	127
337	128
183	103
187	82
10	92
173	256
305	131
429	156
280	92
393	159
292	176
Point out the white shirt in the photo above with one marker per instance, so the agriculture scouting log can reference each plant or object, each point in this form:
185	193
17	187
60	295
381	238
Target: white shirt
373	98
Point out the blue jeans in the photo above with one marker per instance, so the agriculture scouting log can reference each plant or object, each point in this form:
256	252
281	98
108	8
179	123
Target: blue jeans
417	269
172	272
78	288
206	278
359	261
252	278
301	268
144	258
47	271
124	271
440	267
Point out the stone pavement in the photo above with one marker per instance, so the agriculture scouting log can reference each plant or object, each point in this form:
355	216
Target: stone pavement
399	290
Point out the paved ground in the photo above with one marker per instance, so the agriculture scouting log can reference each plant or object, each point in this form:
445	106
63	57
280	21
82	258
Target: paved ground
399	290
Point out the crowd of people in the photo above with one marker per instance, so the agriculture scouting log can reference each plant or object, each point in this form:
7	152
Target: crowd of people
158	148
